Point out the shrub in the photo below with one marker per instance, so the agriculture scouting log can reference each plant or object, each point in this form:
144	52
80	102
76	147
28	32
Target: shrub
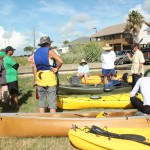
90	52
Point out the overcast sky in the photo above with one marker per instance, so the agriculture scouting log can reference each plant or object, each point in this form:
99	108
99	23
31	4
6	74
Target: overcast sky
61	19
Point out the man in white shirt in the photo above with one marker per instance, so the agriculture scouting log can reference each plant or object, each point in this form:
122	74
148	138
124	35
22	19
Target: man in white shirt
138	60
108	58
83	70
144	85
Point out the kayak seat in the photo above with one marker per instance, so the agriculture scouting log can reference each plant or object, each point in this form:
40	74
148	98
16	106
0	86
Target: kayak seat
75	80
125	77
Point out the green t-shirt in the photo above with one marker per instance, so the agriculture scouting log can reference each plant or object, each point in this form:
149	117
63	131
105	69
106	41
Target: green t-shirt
11	73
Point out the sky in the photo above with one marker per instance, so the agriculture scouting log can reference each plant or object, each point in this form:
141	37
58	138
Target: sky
61	19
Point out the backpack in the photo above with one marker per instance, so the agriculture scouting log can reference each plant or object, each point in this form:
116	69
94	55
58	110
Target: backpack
113	83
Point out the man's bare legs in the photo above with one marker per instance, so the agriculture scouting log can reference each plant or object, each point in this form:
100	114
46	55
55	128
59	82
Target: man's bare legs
42	110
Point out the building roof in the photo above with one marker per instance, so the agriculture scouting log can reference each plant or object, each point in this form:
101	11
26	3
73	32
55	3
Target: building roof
115	29
79	41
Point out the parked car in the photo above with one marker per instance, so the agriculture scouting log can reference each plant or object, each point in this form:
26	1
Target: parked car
146	53
122	58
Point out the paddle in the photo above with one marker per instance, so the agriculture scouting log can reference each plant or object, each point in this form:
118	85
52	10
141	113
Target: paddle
132	137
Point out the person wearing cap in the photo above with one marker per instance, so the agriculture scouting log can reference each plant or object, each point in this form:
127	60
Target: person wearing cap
108	58
137	68
12	76
45	72
3	82
83	70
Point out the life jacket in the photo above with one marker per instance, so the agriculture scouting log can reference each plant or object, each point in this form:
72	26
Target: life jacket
44	76
41	58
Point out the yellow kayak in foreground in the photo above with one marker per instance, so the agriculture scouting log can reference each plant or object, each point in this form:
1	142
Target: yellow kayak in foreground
83	139
107	101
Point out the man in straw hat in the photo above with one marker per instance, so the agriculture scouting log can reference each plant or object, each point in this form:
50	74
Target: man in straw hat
83	70
108	58
45	71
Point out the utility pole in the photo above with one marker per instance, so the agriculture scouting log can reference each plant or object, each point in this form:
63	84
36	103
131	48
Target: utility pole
33	68
95	29
33	40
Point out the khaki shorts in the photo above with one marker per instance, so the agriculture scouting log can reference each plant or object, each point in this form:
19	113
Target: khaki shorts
49	94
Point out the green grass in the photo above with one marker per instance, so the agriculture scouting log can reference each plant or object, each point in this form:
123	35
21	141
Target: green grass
38	143
28	103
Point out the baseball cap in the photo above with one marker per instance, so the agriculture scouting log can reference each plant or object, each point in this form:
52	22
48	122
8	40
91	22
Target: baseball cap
9	48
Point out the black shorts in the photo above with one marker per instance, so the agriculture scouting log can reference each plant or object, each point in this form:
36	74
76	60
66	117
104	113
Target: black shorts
13	88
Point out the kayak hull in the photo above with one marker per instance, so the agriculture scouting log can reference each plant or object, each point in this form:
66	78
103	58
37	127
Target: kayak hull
80	114
33	126
82	139
91	89
107	101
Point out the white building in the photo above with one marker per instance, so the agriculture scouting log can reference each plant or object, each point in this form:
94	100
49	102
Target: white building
62	50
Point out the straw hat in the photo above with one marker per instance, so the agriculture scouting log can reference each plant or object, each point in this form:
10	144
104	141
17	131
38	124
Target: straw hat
83	61
107	47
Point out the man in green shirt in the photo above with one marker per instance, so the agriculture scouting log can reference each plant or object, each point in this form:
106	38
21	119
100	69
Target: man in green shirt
11	76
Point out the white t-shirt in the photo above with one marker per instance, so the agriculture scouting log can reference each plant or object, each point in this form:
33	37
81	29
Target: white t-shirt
137	58
83	69
108	59
144	85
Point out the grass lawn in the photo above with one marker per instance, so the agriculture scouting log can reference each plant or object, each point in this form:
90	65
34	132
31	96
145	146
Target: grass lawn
28	103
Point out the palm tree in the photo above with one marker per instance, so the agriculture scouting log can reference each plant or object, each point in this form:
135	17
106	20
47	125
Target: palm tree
134	24
29	49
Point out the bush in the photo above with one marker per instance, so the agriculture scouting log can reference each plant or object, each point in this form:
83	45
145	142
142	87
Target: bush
23	61
90	52
74	55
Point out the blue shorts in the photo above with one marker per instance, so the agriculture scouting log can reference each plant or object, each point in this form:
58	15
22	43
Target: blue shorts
106	72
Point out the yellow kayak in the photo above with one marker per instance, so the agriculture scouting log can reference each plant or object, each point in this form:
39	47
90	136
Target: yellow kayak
97	79
43	126
82	138
107	101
